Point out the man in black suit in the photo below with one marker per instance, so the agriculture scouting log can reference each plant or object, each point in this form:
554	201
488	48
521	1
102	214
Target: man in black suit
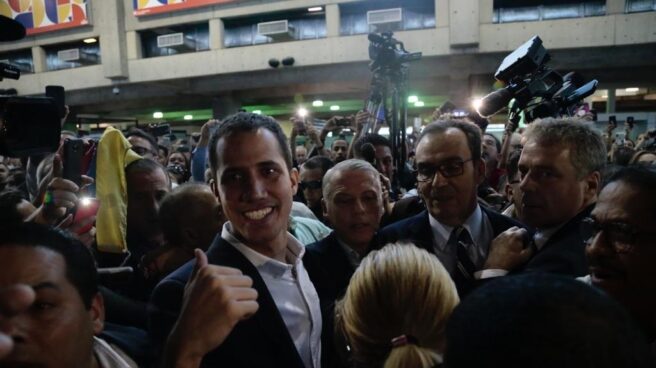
454	226
560	169
353	204
254	182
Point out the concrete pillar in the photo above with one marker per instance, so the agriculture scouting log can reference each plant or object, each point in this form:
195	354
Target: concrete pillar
464	23
134	49
442	13
39	59
615	6
332	20
610	101
485	11
459	80
223	106
217	31
113	44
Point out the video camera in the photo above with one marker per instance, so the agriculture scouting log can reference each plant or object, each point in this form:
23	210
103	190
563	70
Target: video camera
537	90
385	51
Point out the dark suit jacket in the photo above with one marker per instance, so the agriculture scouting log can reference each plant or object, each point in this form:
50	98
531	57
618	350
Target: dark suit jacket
564	252
335	265
260	341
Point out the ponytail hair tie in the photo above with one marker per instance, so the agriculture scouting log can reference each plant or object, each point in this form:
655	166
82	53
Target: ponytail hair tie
403	340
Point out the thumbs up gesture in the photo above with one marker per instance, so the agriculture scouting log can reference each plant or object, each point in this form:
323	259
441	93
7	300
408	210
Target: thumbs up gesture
216	298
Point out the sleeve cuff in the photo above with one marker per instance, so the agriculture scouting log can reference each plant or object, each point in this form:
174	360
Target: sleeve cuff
487	274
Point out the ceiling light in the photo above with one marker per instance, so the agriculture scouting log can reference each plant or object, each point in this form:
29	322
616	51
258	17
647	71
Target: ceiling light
317	103
302	112
188	117
158	115
334	108
90	40
315	9
258	112
413	99
419	104
632	89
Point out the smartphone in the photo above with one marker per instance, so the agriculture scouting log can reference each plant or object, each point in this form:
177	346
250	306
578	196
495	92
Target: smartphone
72	160
58	96
86	207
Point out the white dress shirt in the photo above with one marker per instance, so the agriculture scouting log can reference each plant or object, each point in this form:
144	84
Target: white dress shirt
292	291
480	230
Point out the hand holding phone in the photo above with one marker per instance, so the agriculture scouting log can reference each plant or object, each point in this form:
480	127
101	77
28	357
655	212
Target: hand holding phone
85	214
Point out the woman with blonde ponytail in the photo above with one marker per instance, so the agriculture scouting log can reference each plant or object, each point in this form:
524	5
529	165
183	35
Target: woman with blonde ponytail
395	309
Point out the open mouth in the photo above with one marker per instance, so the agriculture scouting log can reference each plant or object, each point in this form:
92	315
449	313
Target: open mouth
258	214
604	274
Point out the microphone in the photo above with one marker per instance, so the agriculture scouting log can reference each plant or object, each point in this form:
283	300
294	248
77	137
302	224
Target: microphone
494	102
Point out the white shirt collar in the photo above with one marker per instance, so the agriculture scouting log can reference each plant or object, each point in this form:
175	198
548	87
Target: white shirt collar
541	237
473	224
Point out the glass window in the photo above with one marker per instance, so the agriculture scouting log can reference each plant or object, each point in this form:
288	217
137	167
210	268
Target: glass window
416	14
635	6
506	11
21	59
72	55
195	37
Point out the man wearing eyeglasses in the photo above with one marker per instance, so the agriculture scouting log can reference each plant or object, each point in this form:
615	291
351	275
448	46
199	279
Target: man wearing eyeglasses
620	249
560	176
311	175
454	226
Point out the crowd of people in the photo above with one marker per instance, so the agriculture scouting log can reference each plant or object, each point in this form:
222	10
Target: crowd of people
241	247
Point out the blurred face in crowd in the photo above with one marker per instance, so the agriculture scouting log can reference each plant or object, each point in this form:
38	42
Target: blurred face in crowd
450	199
145	190
513	194
622	254
177	158
255	188
300	154
552	192
489	148
354	207
161	156
142	147
384	161
57	330
311	185
339	150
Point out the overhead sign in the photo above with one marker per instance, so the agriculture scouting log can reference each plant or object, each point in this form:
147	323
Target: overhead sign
38	16
148	7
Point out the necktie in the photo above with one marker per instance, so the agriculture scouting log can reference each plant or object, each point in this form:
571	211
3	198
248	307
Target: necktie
463	275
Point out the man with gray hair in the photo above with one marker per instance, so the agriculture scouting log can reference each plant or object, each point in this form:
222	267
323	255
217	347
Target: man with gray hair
353	205
560	175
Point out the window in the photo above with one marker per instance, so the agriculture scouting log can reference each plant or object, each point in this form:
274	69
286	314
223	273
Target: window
635	6
507	11
175	40
21	59
300	25
416	14
72	55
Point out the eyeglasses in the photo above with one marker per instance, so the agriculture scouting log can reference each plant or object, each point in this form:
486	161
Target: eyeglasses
447	169
314	184
621	236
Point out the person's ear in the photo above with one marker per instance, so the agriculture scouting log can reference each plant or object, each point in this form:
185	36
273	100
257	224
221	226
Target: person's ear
508	190
324	209
97	313
293	176
592	186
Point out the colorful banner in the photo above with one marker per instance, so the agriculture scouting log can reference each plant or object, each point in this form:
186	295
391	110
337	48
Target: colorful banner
148	7
40	16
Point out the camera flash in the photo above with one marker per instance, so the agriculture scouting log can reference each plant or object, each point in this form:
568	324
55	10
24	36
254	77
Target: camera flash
85	201
302	112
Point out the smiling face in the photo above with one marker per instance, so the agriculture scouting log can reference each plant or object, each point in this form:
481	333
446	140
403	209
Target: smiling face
255	188
354	207
449	200
552	191
57	330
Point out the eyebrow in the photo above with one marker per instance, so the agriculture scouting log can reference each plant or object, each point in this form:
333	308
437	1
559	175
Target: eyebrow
46	285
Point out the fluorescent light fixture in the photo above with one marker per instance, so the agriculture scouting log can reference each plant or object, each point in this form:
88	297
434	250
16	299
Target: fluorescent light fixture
158	115
317	103
258	112
384	131
90	40
408	130
413	99
302	112
632	89
334	108
419	104
188	117
315	9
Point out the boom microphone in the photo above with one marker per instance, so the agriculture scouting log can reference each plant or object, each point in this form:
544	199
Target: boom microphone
494	102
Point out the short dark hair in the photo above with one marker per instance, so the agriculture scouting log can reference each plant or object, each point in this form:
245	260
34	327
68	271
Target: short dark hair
640	176
497	143
318	162
242	122
471	130
9	199
371	138
513	164
80	265
163	147
542	320
146	165
145	135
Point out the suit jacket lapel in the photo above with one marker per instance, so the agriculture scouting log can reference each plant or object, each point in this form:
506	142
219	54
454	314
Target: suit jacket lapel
267	316
423	232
